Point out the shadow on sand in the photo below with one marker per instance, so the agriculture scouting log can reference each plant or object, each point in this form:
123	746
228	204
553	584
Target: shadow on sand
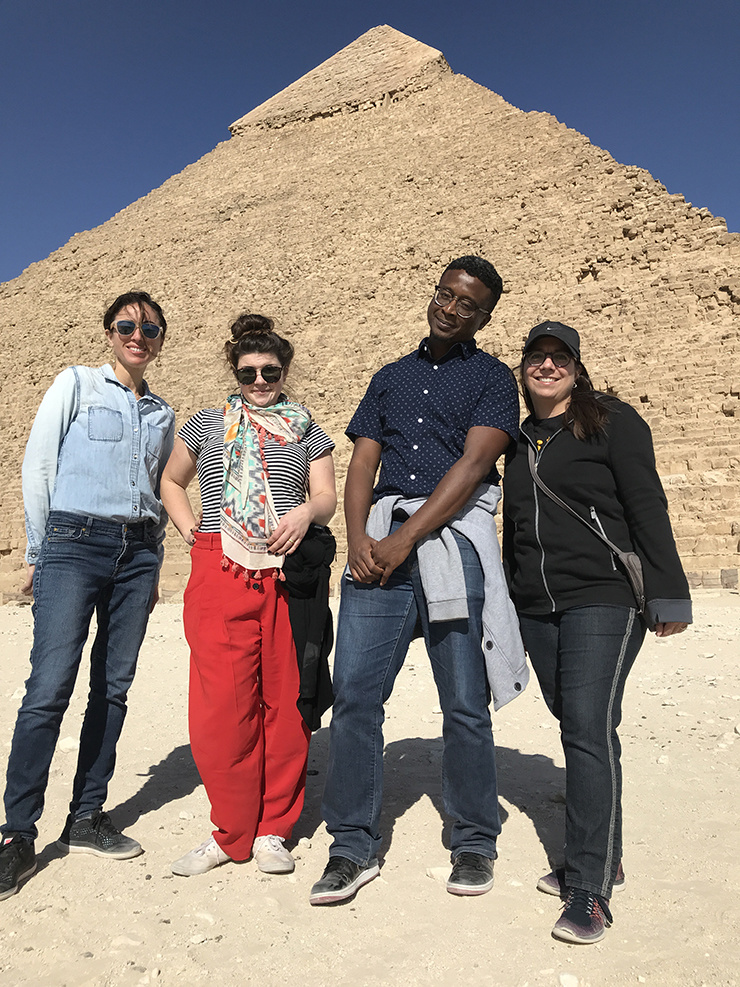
412	769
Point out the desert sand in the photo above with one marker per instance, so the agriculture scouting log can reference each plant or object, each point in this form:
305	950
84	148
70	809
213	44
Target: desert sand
81	921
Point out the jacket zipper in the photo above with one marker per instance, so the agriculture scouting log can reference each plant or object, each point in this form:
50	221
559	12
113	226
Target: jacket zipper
597	521
538	453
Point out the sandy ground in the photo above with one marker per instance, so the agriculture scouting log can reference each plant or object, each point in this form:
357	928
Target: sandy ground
84	921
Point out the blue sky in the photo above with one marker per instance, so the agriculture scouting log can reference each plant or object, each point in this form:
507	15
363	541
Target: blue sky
102	100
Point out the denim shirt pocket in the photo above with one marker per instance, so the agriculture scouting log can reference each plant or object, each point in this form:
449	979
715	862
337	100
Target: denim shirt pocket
154	436
104	424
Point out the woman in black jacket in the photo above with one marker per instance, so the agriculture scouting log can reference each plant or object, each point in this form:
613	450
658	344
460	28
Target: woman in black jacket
579	618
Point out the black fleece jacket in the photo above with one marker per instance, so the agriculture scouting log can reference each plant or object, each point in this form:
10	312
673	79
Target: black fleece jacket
552	561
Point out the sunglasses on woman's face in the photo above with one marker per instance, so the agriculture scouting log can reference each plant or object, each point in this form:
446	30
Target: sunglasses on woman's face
124	327
248	375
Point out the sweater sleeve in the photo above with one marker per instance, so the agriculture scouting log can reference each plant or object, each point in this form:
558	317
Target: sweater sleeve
632	461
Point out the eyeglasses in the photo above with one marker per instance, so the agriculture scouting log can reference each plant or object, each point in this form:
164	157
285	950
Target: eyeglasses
124	327
463	306
537	357
248	375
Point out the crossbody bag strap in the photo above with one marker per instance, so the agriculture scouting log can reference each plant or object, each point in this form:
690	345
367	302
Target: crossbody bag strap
566	507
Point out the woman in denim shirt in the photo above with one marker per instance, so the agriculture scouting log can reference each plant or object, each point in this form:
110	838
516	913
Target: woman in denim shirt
95	526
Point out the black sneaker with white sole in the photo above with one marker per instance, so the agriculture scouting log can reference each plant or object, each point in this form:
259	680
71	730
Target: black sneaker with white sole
585	918
17	862
472	874
341	880
97	835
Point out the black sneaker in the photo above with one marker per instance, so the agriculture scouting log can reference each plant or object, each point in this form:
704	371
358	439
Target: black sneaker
17	862
585	917
341	880
554	882
99	836
472	873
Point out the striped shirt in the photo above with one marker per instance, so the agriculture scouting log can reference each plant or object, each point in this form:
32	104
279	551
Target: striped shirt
287	465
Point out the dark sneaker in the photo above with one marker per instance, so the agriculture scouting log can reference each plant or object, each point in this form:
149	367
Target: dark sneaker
99	836
341	880
554	882
472	873
17	862
585	918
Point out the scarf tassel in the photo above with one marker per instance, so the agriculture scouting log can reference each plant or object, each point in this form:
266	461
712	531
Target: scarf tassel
252	575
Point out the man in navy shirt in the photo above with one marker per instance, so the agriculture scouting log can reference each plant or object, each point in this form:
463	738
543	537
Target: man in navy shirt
435	422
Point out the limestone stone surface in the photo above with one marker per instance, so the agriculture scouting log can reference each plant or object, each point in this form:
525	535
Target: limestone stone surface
333	208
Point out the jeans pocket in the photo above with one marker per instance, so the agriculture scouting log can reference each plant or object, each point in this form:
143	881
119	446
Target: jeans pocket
65	532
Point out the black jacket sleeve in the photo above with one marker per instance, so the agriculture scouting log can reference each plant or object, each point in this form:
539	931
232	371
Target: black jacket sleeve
640	491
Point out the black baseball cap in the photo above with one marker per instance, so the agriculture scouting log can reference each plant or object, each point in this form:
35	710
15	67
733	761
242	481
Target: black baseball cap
564	333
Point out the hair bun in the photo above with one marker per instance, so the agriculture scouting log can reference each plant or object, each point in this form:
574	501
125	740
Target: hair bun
250	324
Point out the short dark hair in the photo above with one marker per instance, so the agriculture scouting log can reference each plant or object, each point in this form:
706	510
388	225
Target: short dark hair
252	333
478	267
138	298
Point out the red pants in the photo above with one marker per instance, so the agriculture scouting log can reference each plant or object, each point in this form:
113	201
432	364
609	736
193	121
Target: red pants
249	741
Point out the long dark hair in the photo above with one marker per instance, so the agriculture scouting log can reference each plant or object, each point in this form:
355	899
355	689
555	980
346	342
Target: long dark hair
588	409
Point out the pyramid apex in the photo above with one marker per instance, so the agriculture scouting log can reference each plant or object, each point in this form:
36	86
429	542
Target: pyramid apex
380	66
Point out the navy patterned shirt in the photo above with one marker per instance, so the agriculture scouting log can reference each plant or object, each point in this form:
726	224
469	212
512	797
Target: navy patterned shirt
420	410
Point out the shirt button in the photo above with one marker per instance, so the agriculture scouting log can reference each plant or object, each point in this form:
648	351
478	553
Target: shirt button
420	420
414	447
412	477
435	367
135	508
426	391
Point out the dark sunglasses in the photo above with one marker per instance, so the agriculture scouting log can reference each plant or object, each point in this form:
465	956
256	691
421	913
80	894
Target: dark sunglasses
124	327
248	375
535	358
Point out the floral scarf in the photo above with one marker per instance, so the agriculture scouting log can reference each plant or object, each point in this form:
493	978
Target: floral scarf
247	510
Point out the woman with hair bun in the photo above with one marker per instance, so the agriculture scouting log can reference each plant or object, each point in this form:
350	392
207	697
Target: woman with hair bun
581	619
267	488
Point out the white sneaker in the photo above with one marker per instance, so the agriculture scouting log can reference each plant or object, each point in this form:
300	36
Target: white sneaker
271	856
200	860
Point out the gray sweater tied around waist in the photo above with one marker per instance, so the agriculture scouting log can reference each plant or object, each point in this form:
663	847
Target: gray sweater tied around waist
443	581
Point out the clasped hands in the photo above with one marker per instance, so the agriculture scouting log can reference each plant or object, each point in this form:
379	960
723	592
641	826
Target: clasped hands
371	560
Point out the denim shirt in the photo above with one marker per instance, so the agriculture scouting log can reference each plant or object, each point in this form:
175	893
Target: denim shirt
95	450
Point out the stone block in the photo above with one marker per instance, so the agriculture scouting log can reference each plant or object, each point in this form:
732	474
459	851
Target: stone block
729	578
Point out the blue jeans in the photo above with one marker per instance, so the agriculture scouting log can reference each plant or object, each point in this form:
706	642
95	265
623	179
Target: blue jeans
582	658
376	625
85	566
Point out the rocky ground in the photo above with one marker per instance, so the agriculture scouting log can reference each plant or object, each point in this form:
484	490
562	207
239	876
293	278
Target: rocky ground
84	922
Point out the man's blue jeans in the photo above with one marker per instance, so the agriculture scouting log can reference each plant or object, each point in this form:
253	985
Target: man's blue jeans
582	658
85	566
375	628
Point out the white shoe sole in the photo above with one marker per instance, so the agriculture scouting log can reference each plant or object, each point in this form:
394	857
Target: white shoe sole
329	897
95	852
275	865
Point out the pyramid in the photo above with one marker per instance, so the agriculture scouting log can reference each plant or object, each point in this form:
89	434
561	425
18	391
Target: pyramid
333	207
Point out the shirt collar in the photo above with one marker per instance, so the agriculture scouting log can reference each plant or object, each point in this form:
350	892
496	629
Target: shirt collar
463	349
110	375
